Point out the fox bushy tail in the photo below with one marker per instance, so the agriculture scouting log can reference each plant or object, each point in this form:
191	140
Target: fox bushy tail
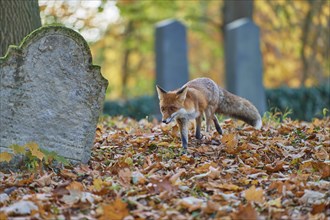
240	108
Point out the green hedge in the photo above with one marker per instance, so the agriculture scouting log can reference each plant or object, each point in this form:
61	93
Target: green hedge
137	108
305	103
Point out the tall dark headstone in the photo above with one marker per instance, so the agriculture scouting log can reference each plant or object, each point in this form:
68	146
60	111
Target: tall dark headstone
51	93
171	54
244	62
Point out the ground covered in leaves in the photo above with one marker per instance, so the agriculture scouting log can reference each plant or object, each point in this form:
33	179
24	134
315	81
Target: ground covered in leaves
137	171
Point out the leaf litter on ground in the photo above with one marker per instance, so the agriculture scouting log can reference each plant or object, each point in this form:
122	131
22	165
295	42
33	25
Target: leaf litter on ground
137	171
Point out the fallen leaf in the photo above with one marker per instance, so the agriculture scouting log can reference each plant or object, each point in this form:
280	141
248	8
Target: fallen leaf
322	154
191	203
205	167
324	168
73	197
138	178
230	141
3	216
45	180
175	179
17	149
275	202
275	167
318	208
230	187
160	185
125	176
3	198
68	174
254	195
97	184
312	197
35	151
5	157
211	207
115	210
75	186
245	212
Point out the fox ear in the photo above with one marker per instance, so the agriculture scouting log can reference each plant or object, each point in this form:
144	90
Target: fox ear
181	94
160	91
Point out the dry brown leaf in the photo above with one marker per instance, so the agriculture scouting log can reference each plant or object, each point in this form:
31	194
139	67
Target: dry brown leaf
68	174
138	178
245	212
211	207
125	176
230	141
254	195
191	203
75	186
318	208
115	210
205	167
45	180
275	167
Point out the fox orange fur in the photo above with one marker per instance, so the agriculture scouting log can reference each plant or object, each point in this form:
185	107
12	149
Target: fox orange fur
203	96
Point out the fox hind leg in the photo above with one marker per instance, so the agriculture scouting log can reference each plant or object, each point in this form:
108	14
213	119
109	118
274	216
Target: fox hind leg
216	124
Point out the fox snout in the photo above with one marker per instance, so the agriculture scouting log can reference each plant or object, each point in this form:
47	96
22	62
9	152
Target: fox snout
167	120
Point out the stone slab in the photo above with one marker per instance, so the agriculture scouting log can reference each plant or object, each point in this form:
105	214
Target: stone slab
171	54
51	94
244	71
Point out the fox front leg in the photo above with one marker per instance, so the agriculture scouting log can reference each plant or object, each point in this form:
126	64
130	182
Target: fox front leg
183	125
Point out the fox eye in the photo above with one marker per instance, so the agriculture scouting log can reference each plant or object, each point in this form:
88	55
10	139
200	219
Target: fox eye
162	108
172	108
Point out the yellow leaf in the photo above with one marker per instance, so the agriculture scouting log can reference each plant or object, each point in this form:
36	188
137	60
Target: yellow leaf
253	194
35	151
275	202
5	156
98	184
18	149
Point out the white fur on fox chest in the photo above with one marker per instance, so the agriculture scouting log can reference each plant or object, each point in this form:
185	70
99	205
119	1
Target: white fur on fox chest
184	114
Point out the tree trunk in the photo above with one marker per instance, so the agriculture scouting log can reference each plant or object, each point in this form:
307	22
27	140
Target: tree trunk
314	9
126	58
18	18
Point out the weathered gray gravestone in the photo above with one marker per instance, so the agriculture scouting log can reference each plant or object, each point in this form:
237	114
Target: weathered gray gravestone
171	54
51	94
244	62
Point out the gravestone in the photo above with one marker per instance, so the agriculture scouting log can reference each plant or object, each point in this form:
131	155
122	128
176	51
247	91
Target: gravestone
171	54
51	93
244	62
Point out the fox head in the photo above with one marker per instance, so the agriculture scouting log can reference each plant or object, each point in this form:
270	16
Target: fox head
171	102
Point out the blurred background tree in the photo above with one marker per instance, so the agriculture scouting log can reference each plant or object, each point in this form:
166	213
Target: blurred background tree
17	19
294	39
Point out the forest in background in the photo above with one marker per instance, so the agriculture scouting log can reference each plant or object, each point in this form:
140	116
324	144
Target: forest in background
294	39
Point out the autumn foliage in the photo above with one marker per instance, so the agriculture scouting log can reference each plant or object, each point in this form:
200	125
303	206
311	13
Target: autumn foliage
137	171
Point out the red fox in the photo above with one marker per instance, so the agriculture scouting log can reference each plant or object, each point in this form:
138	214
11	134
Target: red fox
203	96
